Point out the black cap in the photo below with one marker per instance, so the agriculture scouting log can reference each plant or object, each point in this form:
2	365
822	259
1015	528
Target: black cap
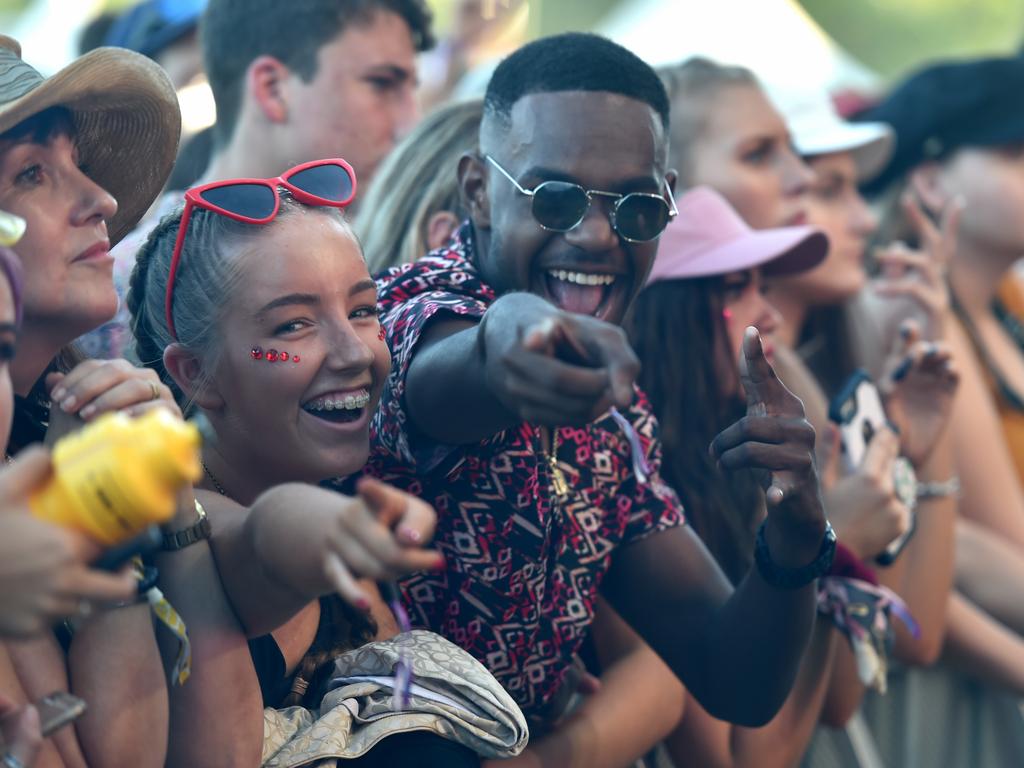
976	103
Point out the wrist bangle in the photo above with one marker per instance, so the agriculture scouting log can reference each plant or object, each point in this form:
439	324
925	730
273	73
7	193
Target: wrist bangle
188	536
941	490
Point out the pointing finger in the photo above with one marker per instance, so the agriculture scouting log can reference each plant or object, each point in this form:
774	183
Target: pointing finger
765	392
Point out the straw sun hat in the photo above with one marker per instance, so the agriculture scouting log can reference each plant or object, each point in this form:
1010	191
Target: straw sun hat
126	118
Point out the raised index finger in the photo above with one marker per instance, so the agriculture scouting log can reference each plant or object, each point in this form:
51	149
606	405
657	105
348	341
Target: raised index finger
765	393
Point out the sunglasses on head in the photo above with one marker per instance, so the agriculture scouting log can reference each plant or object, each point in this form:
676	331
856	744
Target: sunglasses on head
329	182
560	206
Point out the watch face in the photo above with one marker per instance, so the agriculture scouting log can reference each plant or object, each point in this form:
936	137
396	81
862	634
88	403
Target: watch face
904	481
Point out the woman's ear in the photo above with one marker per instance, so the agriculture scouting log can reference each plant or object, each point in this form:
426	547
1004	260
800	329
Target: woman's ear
265	82
926	183
473	185
187	372
440	228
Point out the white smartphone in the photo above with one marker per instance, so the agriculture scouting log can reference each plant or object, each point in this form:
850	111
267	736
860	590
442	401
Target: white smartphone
859	412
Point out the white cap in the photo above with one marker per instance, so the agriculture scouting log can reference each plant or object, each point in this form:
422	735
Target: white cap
818	130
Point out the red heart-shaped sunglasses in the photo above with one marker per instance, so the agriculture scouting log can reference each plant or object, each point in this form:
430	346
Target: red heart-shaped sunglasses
330	182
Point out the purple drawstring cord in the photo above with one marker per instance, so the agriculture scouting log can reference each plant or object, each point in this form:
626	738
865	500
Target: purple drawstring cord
403	667
641	469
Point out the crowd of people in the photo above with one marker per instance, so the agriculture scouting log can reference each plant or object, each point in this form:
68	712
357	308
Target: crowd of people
618	416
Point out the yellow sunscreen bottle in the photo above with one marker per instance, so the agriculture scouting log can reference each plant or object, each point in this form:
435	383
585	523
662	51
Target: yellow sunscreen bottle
119	475
11	228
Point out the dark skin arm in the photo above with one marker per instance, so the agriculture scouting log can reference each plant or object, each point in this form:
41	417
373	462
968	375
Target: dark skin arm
737	653
470	381
528	361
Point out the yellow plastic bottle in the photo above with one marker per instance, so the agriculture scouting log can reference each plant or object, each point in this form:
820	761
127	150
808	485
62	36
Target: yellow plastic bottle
119	475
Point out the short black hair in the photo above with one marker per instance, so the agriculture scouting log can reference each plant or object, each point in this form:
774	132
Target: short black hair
235	32
574	61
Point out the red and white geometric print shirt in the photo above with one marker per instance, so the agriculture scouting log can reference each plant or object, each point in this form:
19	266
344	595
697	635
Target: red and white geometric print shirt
524	565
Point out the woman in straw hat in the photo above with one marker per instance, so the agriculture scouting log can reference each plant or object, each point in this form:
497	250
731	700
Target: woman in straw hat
82	155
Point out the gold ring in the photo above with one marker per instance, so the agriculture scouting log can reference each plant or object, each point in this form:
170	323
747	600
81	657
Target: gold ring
153	388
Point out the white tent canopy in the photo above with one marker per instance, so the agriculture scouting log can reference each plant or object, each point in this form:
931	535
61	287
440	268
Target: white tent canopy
777	39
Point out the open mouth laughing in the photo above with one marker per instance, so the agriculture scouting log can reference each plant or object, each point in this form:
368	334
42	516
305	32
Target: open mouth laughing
601	294
341	407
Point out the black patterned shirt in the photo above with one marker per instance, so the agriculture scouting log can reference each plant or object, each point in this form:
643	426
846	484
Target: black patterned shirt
524	564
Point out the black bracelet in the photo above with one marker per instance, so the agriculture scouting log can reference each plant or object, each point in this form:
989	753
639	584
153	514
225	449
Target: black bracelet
794	578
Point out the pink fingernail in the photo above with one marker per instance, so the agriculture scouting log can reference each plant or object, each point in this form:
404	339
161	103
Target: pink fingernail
58	394
410	534
68	403
363	604
88	411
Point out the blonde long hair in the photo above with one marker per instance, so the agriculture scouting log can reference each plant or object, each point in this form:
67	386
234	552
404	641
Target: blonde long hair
692	85
418	179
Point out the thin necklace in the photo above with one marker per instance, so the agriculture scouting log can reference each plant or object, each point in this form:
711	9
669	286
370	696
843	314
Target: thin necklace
1012	398
1011	324
216	484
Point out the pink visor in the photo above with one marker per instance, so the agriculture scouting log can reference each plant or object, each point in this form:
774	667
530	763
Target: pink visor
709	238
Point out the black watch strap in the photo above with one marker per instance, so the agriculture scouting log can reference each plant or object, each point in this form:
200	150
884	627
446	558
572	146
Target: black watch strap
794	578
187	536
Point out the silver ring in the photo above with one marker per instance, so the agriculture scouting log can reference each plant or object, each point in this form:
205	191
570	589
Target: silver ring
10	761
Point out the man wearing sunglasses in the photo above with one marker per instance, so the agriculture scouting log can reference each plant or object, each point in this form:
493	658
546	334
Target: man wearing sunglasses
511	407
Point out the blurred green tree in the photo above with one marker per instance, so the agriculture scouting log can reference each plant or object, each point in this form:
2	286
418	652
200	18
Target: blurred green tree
893	36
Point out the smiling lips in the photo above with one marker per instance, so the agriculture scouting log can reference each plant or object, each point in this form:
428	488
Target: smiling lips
342	407
580	292
339	401
98	251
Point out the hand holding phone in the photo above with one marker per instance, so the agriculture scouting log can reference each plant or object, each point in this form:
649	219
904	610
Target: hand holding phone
860	415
